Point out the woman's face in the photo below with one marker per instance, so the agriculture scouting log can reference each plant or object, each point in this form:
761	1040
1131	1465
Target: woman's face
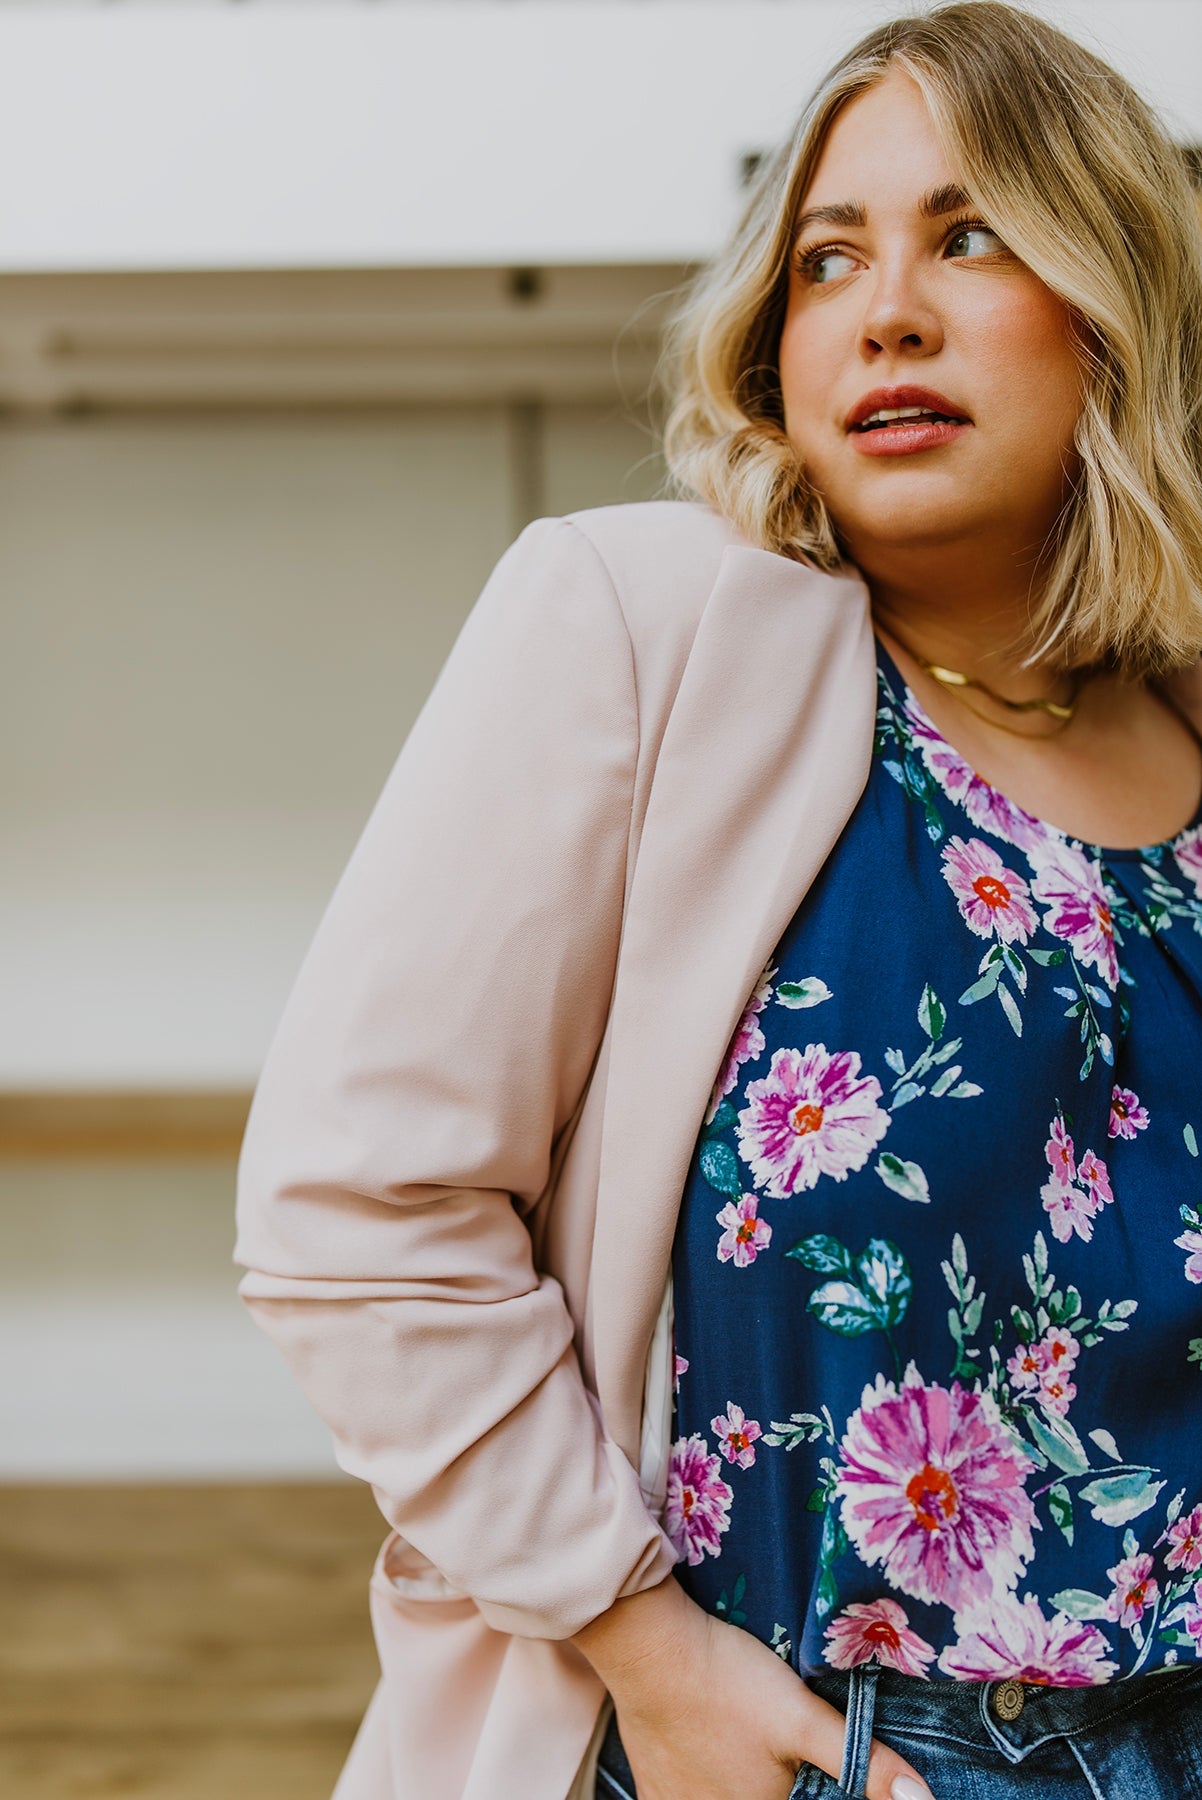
900	299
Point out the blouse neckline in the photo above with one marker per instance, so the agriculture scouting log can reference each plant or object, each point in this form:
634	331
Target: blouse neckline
1100	852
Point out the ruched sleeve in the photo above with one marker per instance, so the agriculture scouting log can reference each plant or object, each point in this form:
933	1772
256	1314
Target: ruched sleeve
438	1038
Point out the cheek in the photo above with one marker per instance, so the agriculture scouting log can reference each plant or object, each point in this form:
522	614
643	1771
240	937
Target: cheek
806	363
1025	349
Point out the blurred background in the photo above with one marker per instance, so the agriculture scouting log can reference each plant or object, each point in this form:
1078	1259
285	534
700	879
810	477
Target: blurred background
305	310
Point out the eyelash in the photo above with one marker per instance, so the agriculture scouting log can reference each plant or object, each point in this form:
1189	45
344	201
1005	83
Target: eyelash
805	261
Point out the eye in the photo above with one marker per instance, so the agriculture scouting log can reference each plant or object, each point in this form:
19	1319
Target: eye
965	230
812	264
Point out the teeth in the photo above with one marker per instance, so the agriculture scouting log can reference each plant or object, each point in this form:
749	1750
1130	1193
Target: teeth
885	413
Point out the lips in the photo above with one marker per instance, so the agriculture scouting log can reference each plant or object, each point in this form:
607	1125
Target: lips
892	398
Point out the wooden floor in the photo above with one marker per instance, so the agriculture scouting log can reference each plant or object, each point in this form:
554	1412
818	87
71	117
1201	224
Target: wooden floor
183	1643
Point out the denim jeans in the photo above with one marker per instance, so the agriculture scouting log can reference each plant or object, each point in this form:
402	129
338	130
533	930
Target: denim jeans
1139	1739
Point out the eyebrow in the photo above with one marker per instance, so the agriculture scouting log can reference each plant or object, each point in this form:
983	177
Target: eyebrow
849	213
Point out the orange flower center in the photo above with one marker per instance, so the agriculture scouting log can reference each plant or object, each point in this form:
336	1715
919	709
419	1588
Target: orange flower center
881	1632
992	891
932	1494
1058	1351
746	1231
1104	919
738	1440
688	1499
1135	1595
805	1118
1120	1108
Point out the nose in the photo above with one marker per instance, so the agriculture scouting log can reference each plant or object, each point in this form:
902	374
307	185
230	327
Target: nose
898	314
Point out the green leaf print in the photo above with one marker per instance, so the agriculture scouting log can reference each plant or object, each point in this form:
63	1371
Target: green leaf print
1060	1505
825	1255
722	1120
720	1166
796	994
980	988
1010	1008
931	1013
731	1609
843	1307
871	1293
834	1544
1059	1442
905	1178
885	1274
1117	1498
1079	1603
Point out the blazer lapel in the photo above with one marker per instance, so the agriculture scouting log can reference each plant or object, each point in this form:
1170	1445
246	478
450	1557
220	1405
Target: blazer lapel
764	756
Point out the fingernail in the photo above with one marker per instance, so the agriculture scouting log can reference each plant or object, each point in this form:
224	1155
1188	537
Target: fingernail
907	1788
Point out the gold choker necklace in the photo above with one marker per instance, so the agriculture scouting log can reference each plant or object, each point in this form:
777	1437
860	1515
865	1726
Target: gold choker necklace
956	681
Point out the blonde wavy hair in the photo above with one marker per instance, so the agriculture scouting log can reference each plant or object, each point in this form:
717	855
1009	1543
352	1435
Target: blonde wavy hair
1073	169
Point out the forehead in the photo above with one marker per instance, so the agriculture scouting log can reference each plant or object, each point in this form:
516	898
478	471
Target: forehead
882	144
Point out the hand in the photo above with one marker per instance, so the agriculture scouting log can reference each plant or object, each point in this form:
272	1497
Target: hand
708	1711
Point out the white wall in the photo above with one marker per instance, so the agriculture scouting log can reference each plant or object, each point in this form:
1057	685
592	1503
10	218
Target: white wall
218	631
277	135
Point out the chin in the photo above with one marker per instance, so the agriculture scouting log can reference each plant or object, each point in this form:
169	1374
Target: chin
904	523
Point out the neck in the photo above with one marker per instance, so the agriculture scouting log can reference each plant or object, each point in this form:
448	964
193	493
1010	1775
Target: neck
968	622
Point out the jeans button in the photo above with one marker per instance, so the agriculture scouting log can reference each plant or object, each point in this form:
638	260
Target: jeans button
1008	1700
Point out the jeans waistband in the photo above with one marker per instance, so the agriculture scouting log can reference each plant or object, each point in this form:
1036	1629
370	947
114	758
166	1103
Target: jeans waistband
975	1714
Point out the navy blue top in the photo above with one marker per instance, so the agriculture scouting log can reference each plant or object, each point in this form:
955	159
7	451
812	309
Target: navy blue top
938	1267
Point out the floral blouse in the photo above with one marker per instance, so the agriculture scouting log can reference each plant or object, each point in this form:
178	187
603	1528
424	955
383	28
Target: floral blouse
938	1267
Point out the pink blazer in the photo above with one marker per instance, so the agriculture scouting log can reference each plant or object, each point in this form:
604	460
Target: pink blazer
465	1155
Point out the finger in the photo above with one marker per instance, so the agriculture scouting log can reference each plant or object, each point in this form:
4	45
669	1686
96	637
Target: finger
890	1776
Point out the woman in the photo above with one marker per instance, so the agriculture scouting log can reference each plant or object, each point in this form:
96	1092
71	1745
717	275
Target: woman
798	892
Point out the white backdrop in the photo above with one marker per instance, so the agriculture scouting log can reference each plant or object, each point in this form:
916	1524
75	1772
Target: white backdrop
191	135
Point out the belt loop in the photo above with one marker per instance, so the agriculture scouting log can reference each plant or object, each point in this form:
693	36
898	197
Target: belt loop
857	1735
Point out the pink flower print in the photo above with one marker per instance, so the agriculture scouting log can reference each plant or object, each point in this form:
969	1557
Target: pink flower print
745	1234
984	805
1188	851
682	1363
1192	1618
1127	1116
1060	1349
1134	1590
1191	1241
1077	907
1185	1536
1059	1151
931	1487
992	898
1011	1641
1069	1209
736	1435
1055	1392
1092	1171
880	1629
747	1043
1026	1367
813	1114
697	1510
